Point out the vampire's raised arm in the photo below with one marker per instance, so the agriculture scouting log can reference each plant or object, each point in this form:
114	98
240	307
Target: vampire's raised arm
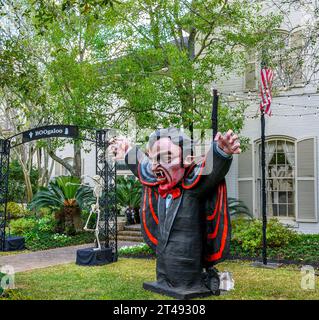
206	175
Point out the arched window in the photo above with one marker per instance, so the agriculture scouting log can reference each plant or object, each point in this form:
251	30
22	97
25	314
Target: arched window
280	177
291	178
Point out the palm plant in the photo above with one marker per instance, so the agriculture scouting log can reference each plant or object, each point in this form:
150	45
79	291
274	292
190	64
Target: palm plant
128	195
238	207
68	197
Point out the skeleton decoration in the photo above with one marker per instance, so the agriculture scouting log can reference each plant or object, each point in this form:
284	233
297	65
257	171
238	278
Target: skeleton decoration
95	208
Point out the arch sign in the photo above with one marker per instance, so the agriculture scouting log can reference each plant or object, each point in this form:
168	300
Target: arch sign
63	131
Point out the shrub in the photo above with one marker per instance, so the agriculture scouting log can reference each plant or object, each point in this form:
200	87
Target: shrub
16	210
46	224
43	241
22	226
248	234
1	290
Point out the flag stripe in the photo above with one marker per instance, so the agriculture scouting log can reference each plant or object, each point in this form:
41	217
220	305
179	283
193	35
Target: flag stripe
267	77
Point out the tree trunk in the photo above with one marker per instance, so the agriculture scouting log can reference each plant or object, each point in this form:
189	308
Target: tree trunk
62	162
73	221
77	159
28	185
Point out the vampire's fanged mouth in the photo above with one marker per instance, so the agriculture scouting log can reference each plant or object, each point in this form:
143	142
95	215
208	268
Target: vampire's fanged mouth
160	175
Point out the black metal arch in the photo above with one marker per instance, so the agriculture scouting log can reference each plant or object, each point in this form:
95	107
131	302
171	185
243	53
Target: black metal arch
105	168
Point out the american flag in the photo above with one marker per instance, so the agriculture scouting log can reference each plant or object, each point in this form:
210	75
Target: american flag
267	76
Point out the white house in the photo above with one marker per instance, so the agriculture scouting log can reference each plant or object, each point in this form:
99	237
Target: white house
291	134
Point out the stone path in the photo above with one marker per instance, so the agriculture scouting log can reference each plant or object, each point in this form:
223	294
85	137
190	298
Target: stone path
47	258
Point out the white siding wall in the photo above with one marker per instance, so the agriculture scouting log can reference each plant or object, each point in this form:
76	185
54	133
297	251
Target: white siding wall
293	126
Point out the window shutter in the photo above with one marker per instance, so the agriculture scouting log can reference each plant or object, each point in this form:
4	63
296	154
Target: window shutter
306	180
250	76
250	72
296	45
245	178
296	40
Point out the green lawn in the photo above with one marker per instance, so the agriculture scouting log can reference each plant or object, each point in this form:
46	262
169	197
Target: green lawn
123	280
10	253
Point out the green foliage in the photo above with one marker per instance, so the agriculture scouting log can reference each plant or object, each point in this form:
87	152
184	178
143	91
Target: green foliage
22	226
29	227
248	234
159	75
17	191
40	233
128	192
46	224
17	210
62	192
1	290
44	240
303	248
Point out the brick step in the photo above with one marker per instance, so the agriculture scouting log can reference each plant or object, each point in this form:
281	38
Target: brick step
130	233
133	227
129	238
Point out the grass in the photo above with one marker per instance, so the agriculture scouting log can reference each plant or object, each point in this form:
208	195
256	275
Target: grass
123	280
10	253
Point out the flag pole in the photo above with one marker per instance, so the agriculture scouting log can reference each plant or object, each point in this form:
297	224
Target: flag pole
263	189
214	116
266	99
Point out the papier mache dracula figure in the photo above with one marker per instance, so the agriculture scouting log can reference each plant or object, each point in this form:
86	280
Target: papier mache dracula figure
184	211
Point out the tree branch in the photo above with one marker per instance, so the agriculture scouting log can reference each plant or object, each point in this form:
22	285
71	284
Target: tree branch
61	162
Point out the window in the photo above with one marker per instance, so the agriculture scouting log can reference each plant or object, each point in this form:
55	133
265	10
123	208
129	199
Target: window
291	178
280	178
289	59
250	72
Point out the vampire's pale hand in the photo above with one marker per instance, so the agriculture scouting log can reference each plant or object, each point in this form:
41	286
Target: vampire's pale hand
119	146
228	142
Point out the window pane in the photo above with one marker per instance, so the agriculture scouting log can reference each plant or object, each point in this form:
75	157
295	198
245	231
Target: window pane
275	184
272	161
269	210
291	197
280	147
291	210
275	211
282	197
281	159
282	210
